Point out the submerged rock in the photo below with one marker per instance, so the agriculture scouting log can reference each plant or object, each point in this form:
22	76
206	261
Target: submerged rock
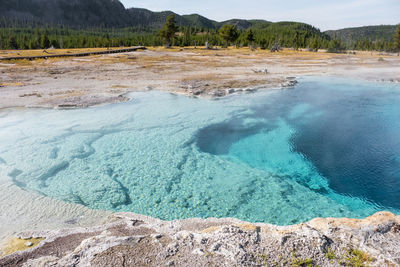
136	240
289	83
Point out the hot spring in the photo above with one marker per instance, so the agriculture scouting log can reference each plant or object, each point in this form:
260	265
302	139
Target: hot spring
326	148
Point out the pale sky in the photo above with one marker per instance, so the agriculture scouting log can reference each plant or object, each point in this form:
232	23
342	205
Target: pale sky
323	14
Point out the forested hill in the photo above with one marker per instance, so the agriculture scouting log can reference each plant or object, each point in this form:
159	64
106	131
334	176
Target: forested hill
112	14
76	13
373	33
99	14
92	23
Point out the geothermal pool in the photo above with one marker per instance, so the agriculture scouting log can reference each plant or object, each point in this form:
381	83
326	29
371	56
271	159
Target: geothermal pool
326	148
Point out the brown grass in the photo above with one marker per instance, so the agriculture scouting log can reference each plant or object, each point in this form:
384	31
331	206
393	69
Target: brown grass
248	227
120	86
67	93
241	84
205	77
12	84
211	229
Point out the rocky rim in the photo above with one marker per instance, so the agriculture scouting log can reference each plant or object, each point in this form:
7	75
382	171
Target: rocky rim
135	240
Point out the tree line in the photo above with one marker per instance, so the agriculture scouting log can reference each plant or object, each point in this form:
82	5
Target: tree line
286	34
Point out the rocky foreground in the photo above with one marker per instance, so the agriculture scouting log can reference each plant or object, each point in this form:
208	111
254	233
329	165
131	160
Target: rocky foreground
136	240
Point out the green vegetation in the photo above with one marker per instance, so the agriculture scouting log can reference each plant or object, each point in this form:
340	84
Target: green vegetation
39	24
286	34
397	38
209	254
198	21
379	38
302	263
63	37
336	46
260	259
330	254
373	33
229	33
298	262
289	34
12	43
357	258
249	37
169	30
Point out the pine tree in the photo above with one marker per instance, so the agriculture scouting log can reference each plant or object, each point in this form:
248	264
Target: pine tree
397	38
12	43
315	44
169	30
336	46
229	33
186	37
249	37
24	43
44	41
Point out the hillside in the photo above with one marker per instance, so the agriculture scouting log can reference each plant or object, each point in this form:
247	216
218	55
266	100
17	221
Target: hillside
103	14
100	13
199	21
90	13
112	14
374	33
92	23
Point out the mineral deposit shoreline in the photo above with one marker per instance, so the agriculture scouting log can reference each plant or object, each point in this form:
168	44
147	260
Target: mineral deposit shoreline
101	79
129	239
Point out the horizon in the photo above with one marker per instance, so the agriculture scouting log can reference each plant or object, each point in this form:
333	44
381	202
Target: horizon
338	15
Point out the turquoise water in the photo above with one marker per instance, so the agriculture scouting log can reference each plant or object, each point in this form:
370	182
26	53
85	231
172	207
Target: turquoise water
328	148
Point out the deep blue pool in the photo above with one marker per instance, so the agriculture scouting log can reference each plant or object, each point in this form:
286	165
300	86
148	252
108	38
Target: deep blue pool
326	148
